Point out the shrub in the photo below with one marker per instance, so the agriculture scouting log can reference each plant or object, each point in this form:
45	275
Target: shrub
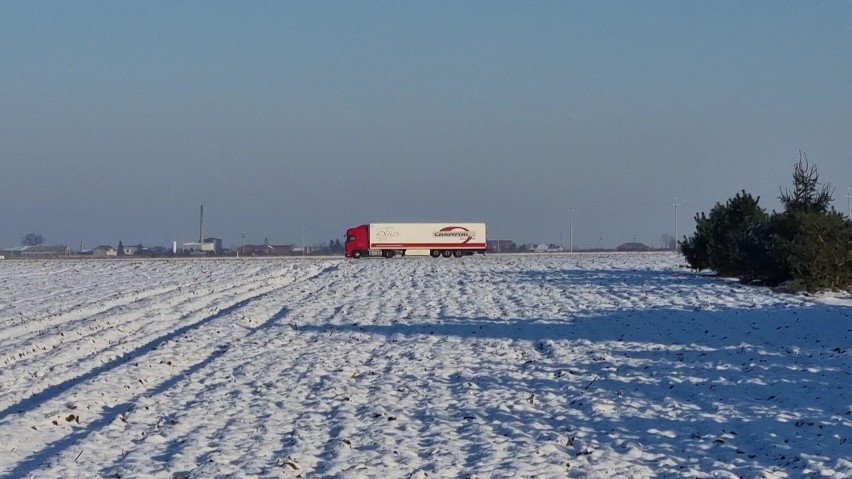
725	239
697	248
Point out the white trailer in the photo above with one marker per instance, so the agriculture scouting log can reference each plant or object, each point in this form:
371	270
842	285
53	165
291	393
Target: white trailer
434	239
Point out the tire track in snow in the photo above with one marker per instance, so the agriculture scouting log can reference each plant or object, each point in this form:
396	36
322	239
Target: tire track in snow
65	284
51	331
250	403
122	332
28	339
74	387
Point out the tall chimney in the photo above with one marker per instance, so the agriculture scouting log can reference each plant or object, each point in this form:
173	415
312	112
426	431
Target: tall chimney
201	226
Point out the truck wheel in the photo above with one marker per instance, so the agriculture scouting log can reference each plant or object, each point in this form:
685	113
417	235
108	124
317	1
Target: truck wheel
434	253
458	253
389	253
446	253
356	254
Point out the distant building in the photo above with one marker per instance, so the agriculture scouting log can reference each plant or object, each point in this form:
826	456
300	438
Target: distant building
199	247
217	244
500	246
159	250
45	251
104	251
129	250
209	245
540	248
13	252
633	247
267	249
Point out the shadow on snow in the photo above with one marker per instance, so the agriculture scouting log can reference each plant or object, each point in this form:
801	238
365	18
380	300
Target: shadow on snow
757	388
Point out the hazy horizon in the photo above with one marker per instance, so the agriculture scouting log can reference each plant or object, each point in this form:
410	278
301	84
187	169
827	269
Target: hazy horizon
119	119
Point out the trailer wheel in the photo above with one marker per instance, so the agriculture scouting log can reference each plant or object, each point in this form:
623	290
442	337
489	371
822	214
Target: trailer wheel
388	253
458	253
356	254
446	253
435	253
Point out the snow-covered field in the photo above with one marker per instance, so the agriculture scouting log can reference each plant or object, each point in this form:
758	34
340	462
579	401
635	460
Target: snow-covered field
526	366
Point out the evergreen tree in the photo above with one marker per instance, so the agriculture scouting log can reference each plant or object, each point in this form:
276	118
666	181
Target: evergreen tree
807	247
120	248
810	251
808	195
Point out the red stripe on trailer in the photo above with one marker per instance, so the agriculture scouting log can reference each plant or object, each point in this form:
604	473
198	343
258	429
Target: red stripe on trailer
429	245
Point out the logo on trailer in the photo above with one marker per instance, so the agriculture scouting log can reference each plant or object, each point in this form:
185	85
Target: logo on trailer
456	232
387	233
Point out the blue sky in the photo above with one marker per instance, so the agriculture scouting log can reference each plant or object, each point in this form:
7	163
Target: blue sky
118	119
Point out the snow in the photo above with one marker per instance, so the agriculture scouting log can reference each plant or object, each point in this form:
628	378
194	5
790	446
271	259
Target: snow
605	365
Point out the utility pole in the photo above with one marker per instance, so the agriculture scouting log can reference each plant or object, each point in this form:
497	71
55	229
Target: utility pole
571	229
849	197
676	204
242	243
303	242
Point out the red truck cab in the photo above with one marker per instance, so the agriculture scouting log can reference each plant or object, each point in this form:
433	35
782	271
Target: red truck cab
357	241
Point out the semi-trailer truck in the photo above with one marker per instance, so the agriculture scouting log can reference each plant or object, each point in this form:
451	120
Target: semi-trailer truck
415	239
